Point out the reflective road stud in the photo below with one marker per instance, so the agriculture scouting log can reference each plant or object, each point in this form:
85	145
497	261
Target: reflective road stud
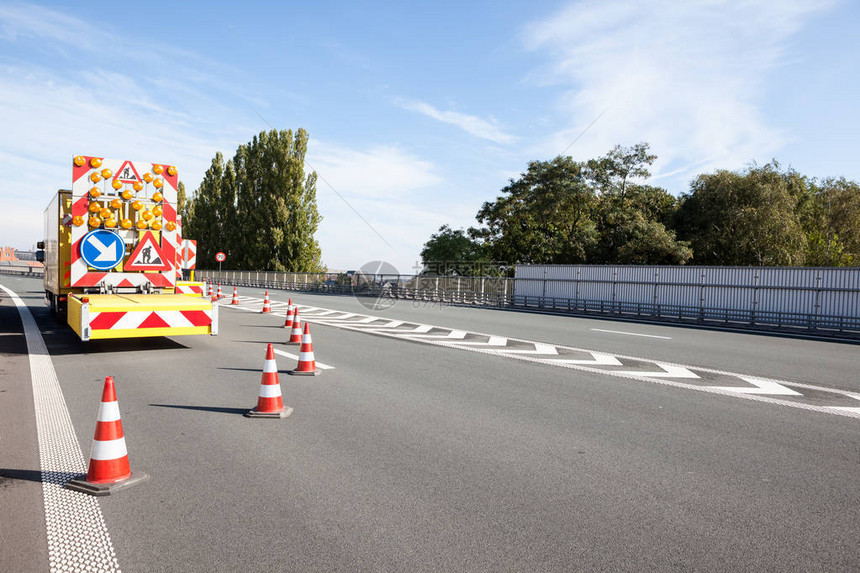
109	468
269	402
307	365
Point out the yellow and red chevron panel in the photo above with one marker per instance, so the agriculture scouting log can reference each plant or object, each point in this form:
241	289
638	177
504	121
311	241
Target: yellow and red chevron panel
132	316
123	190
189	288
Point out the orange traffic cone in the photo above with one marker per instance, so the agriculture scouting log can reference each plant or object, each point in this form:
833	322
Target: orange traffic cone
269	403
235	296
288	322
296	334
267	305
109	468
219	291
307	365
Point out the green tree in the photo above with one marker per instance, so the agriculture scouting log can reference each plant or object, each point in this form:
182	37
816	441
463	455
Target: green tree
277	201
545	216
632	218
453	251
745	218
259	207
831	219
204	219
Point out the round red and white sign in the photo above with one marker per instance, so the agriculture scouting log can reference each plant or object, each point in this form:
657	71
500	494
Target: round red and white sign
220	257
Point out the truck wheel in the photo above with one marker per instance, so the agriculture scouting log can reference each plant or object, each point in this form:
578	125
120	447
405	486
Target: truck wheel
52	302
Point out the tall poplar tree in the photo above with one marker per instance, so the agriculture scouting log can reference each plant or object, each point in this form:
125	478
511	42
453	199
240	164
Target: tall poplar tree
260	207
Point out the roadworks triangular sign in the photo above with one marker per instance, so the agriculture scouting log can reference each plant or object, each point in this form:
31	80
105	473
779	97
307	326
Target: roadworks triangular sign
127	173
147	256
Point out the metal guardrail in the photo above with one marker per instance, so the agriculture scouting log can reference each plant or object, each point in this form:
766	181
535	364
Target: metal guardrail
23	271
499	293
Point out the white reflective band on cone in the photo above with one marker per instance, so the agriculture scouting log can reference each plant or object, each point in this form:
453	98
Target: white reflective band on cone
306	339
306	357
108	412
270	390
270	366
108	450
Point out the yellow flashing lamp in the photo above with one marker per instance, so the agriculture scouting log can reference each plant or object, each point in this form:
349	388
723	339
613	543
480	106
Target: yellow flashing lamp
95	177
157	197
127	194
137	205
116	204
158	169
95	162
95	192
157	210
171	226
95	222
80	161
77	220
147	177
137	185
126	224
110	223
171	170
116	184
158	183
106	173
105	213
146	215
156	225
95	207
141	224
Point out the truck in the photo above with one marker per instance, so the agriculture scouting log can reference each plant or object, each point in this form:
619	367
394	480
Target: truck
111	250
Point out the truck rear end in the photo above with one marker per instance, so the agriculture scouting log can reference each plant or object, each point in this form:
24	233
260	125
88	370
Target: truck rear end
111	246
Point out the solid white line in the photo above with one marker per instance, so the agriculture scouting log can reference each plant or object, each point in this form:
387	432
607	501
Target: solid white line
632	333
78	538
320	365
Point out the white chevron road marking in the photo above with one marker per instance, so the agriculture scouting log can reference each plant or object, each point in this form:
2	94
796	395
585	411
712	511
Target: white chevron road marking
599	359
669	374
760	386
540	348
669	371
452	334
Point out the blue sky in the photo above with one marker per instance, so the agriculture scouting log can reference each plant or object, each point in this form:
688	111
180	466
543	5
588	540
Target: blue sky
418	113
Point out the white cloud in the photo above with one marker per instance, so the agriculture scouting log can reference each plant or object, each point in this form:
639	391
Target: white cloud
390	189
483	128
687	77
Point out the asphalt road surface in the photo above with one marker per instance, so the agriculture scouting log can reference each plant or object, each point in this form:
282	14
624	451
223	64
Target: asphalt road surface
411	454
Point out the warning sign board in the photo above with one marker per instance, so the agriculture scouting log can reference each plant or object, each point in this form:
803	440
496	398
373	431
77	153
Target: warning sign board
147	256
127	173
189	254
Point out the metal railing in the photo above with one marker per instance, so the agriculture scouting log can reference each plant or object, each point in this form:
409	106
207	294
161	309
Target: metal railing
505	293
22	271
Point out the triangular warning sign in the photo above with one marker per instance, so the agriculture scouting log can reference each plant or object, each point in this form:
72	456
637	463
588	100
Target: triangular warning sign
147	256
127	173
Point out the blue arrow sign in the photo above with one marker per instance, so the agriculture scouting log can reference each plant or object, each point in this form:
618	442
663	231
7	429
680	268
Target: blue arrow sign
102	250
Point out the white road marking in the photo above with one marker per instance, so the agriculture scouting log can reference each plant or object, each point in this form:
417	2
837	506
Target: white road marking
539	355
760	386
632	333
78	538
320	365
669	371
599	359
